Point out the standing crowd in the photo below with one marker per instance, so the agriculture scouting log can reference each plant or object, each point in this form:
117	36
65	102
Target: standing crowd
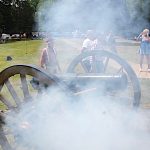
48	59
92	41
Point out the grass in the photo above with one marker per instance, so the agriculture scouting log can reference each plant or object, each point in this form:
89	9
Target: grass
28	52
25	52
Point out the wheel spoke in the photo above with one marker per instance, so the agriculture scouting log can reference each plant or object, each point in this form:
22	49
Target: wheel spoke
120	70
13	92
106	64
84	66
25	89
4	141
93	62
6	102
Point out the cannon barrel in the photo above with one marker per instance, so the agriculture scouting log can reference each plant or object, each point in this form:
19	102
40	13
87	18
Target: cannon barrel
103	81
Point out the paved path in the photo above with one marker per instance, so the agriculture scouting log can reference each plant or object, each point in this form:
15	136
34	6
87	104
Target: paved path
144	74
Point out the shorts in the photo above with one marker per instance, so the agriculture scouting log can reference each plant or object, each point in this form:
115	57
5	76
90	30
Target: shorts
144	48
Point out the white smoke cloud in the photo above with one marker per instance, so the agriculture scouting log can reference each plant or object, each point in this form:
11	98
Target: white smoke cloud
66	15
121	16
56	121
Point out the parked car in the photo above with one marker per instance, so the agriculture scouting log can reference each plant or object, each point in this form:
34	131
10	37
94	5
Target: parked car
5	37
15	36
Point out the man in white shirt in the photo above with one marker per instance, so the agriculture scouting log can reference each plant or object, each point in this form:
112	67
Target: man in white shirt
89	42
92	64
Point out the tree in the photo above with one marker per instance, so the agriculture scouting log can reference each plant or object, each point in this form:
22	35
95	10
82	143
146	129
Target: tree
85	14
21	15
6	17
140	13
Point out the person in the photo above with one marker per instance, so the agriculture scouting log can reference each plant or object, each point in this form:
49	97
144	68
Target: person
48	59
144	48
89	43
92	63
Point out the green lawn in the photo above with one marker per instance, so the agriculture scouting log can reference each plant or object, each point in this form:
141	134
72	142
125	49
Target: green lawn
28	52
25	52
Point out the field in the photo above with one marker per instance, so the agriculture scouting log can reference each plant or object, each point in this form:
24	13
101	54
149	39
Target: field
28	52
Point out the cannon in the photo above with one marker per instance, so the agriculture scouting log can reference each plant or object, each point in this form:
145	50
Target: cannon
98	71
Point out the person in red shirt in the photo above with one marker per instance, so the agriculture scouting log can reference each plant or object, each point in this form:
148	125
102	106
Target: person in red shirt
48	59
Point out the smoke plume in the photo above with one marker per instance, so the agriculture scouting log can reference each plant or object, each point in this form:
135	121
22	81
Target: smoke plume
67	15
58	121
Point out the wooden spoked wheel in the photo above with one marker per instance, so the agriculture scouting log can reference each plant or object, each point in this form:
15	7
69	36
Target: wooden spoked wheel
104	63
17	87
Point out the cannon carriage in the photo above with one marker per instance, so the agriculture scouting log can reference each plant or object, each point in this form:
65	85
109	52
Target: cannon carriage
91	72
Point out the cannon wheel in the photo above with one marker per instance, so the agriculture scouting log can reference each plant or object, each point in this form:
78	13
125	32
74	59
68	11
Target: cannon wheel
21	75
112	64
